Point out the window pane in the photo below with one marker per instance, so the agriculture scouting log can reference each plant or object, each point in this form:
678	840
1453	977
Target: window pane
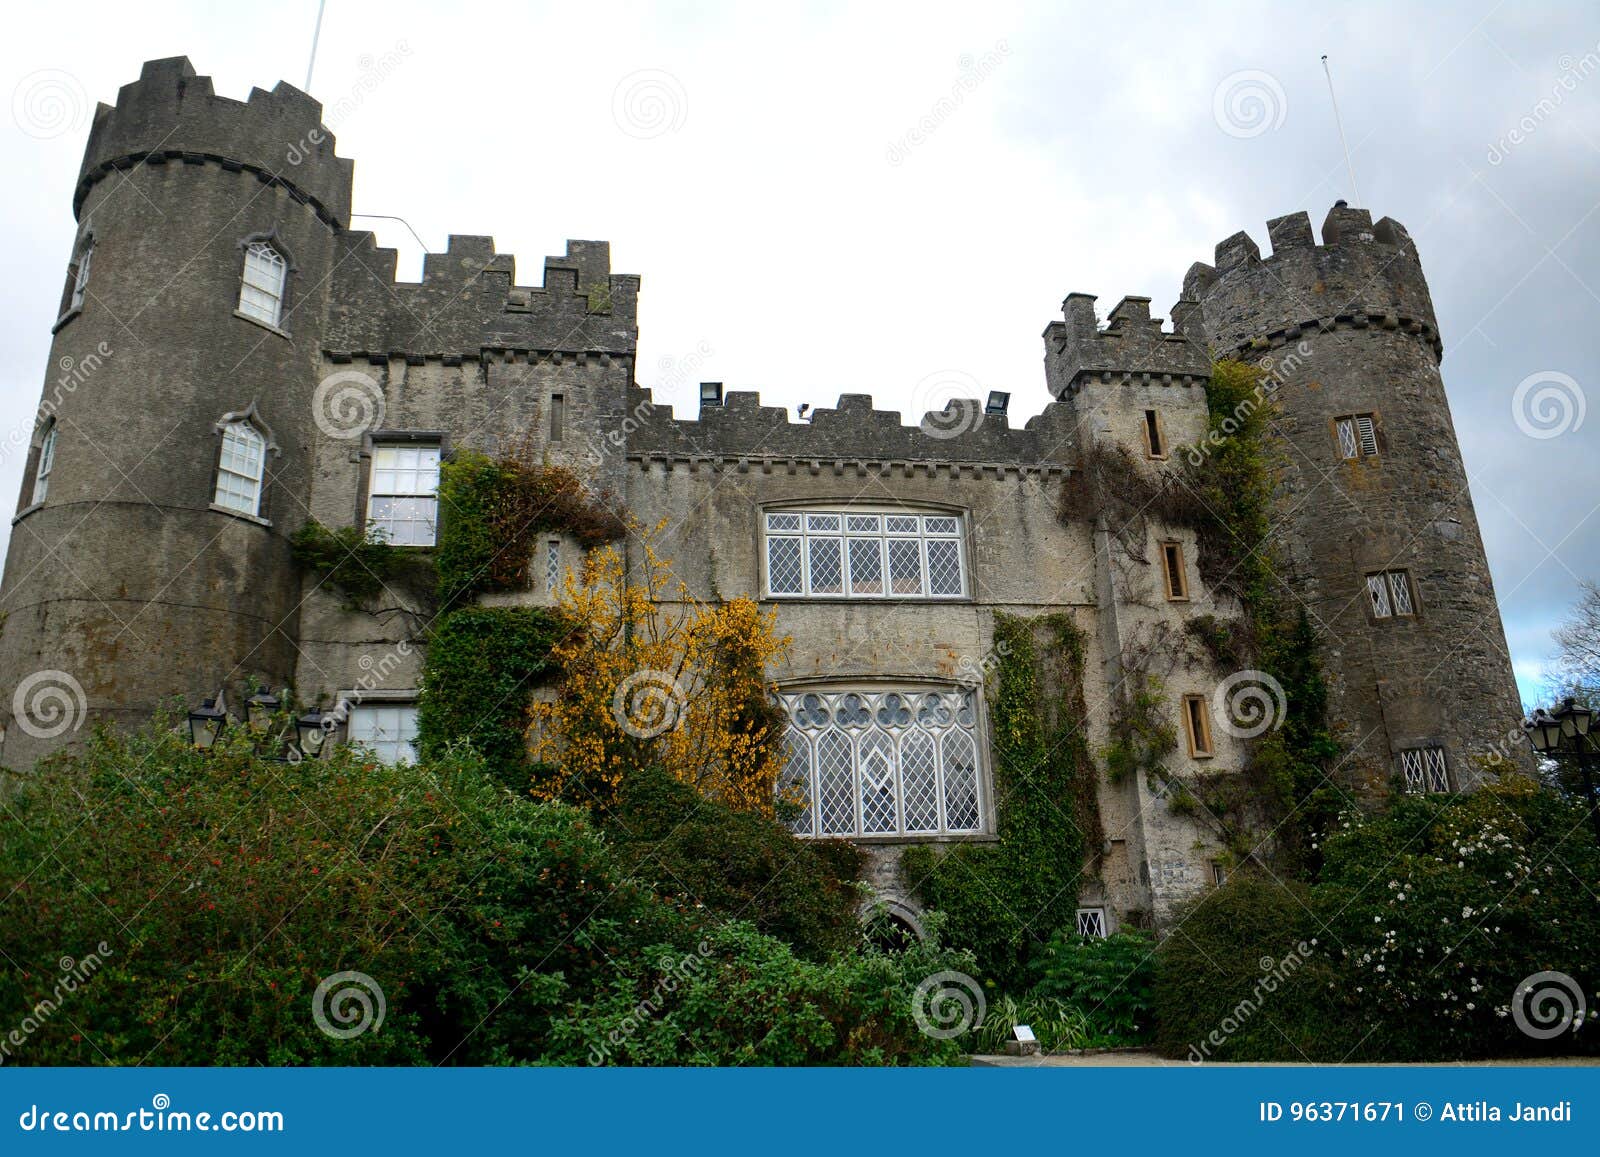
1347	437
901	524
941	525
878	786
919	782
1400	590
960	782
794	782
944	566
1092	922
1378	589
835	801
825	566
783	522
862	523
905	567
783	566
822	522
866	566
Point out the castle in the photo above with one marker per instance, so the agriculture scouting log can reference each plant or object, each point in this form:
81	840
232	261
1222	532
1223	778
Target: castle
236	360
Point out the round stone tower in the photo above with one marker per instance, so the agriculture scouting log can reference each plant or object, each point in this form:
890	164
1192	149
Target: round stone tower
1380	540
127	584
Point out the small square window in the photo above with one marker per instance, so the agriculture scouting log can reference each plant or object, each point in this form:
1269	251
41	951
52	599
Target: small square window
402	499
1358	436
1197	722
1390	594
389	729
1092	923
1177	578
1219	874
1424	770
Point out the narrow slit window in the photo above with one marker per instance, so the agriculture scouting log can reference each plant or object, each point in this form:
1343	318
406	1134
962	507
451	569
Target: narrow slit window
558	416
1198	724
80	274
1155	445
47	462
552	565
1177	579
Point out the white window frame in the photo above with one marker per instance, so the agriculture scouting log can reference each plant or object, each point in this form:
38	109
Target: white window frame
1424	769
380	463
907	737
238	489
262	284
1092	923
1390	595
80	274
47	462
388	728
809	525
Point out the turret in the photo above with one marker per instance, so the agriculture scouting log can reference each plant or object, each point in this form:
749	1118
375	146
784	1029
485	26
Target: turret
150	562
1381	544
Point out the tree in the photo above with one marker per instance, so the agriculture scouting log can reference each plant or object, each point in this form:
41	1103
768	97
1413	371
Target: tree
654	677
1577	659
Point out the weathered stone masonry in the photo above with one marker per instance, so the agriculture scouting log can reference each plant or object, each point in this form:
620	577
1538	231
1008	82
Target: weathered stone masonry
128	578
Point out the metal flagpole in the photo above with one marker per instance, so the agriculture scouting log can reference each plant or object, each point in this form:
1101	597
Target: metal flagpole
316	34
1355	193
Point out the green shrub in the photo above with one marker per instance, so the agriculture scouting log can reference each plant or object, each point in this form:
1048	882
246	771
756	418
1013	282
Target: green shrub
216	892
738	864
1108	982
1426	919
744	998
1057	1025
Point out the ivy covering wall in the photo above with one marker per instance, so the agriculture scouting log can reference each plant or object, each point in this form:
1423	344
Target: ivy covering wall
1005	900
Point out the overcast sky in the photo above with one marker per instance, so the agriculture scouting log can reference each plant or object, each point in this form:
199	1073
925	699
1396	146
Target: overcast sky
810	215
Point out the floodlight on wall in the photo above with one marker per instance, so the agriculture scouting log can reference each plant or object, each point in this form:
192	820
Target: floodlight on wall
710	394
999	400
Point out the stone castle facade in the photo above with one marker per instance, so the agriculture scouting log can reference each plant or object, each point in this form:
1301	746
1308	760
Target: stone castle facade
242	361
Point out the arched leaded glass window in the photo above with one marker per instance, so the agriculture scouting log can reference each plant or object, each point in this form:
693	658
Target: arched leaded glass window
239	469
882	762
261	290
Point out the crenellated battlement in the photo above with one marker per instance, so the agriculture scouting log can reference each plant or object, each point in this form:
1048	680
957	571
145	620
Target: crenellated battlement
171	116
468	300
853	430
1362	274
1131	344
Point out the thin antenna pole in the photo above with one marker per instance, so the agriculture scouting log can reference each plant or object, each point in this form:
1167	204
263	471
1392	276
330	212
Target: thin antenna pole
402	220
1338	120
316	35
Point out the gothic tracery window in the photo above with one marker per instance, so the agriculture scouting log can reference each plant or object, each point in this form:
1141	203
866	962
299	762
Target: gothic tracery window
882	763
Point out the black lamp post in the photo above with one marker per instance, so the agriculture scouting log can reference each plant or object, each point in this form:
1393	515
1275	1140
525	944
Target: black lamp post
206	723
1566	731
